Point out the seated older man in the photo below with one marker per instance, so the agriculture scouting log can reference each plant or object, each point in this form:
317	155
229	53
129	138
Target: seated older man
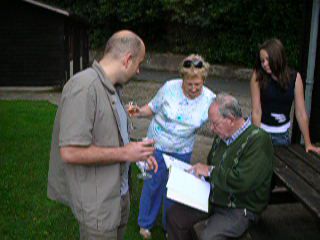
239	167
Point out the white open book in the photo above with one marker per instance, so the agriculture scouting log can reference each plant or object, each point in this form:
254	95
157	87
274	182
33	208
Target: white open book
188	189
169	161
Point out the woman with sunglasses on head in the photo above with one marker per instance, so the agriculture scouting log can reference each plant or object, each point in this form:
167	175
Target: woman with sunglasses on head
274	86
179	108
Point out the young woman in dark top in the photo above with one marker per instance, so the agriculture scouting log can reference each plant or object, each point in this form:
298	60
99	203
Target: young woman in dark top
274	86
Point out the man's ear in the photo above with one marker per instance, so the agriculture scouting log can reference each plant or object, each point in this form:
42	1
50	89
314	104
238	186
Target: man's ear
127	60
231	120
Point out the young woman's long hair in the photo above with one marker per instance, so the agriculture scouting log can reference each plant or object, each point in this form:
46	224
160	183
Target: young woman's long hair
277	62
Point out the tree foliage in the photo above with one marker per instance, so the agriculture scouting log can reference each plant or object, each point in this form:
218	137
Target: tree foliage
224	31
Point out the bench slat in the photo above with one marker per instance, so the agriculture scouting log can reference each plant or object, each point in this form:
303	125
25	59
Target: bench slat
310	158
303	191
299	167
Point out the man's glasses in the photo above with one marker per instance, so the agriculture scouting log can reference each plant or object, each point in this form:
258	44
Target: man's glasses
195	63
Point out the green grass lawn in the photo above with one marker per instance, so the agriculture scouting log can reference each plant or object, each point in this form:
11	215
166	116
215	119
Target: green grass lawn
25	210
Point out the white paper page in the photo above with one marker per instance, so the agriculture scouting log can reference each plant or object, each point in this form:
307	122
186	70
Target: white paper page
181	165
178	197
168	160
188	189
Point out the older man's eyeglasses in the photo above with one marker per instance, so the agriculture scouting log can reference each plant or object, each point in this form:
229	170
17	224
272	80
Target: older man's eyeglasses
217	123
195	63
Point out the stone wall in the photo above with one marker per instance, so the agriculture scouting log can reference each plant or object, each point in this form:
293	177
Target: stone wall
170	62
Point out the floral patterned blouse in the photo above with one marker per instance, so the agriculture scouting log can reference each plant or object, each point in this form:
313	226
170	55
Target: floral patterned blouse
176	117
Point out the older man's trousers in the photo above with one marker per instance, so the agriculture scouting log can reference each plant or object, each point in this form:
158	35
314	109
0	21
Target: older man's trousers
222	224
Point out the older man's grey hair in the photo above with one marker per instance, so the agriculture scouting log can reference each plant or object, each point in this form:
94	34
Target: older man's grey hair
228	106
123	42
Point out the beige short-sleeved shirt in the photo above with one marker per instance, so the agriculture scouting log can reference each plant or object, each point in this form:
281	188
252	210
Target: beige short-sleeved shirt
87	115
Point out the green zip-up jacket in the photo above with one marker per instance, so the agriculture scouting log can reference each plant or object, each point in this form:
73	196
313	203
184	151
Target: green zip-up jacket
243	171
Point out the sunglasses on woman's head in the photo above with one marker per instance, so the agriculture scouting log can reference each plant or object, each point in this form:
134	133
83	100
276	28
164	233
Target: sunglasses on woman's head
195	63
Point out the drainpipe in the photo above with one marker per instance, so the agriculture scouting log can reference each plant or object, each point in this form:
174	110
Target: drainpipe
312	55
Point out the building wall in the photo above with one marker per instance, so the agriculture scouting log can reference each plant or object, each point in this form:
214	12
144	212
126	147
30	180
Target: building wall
32	45
76	48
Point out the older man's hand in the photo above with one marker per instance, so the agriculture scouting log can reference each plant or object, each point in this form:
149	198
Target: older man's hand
200	169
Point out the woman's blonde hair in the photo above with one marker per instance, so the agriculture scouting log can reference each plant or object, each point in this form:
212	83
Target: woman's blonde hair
192	70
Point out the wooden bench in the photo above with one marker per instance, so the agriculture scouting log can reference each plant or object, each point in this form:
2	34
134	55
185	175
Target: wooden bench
299	172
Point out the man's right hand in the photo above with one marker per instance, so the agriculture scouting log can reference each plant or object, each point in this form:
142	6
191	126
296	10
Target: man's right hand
138	151
132	152
200	169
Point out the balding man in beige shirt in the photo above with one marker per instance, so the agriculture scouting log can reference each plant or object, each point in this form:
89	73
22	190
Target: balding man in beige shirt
90	150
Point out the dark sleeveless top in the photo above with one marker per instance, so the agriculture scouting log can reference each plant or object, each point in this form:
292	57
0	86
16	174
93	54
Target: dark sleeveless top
276	102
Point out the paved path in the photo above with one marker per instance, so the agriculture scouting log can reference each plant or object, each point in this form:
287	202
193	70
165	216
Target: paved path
233	86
